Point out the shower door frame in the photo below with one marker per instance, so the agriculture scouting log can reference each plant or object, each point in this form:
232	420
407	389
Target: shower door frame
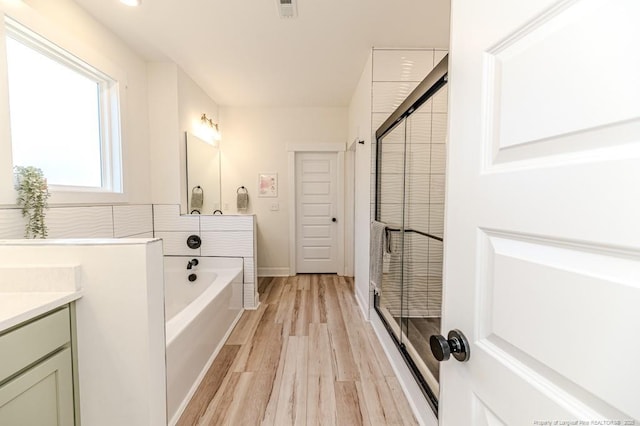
431	84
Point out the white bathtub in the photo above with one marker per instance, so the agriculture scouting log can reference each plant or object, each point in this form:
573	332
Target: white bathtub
200	315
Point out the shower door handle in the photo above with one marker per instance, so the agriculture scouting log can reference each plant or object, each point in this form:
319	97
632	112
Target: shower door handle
456	344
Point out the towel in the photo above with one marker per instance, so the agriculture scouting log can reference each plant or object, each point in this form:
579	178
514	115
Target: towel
377	247
242	199
197	198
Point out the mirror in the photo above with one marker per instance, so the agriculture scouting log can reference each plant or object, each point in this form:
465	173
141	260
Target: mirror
203	176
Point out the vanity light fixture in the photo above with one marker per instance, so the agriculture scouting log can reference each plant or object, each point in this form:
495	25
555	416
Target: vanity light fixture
212	128
131	2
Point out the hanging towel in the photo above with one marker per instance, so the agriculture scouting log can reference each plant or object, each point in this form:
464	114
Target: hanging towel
242	199
377	248
197	198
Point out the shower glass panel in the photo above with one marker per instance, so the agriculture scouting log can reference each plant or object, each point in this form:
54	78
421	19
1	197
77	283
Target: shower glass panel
410	185
391	199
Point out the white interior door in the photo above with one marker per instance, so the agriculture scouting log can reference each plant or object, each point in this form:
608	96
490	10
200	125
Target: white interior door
316	213
542	255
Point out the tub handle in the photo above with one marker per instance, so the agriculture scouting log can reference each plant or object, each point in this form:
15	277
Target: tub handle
194	242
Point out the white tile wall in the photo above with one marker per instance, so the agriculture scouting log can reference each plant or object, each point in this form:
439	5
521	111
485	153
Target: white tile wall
80	222
249	270
227	243
436	189
377	119
223	236
419	129
226	223
402	65
436	219
132	220
387	96
174	243
250	298
85	222
11	224
417	216
438	158
166	217
426	156
419	159
440	100
143	235
439	128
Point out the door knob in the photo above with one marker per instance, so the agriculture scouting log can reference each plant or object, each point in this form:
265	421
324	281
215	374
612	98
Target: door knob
455	344
333	219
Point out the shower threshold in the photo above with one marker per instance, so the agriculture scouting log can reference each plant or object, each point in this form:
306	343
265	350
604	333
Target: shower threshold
425	377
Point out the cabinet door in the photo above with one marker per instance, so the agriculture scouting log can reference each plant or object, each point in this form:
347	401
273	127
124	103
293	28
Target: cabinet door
41	396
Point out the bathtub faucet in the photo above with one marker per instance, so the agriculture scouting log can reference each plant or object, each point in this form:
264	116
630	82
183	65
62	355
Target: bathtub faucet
192	263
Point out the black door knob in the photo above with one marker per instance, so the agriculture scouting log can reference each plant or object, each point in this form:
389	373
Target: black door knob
456	344
194	242
333	219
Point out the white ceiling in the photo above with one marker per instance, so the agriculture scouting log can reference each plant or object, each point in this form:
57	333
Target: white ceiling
242	53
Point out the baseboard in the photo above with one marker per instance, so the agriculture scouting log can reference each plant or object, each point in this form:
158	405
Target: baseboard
267	271
363	304
417	401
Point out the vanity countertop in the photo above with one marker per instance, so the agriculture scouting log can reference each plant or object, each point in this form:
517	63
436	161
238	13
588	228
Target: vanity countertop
18	307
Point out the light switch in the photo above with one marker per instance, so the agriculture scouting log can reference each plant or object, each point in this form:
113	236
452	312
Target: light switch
275	206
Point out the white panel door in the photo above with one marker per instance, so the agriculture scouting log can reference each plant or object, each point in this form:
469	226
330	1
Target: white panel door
542	255
316	209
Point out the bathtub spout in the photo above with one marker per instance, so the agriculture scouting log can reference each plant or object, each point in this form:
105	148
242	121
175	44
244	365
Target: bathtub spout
192	263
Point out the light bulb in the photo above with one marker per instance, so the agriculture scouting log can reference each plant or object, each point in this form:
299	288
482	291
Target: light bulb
131	2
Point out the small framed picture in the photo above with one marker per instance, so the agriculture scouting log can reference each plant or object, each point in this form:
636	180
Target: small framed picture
267	185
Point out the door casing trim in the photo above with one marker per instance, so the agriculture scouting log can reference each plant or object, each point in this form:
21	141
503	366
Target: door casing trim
292	149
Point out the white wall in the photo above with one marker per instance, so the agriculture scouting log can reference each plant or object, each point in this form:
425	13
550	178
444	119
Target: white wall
192	103
65	23
176	104
360	127
164	132
120	325
254	140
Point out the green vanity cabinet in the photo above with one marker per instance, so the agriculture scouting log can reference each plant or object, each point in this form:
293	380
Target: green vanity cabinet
36	373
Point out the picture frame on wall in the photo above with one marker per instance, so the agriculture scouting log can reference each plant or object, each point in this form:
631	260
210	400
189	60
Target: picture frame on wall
267	185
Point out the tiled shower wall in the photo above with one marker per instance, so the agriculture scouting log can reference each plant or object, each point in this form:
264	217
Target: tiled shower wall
395	74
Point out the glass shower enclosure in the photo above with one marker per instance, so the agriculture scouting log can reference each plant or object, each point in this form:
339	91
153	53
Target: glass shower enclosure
410	158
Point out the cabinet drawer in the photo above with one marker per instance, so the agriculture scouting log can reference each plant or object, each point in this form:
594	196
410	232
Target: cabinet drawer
25	345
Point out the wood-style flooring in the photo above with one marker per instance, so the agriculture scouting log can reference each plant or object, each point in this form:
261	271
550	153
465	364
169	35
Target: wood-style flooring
304	357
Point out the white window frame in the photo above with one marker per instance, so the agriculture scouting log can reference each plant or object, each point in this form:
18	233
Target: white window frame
65	48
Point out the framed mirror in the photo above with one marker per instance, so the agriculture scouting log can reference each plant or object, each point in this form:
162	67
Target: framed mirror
203	176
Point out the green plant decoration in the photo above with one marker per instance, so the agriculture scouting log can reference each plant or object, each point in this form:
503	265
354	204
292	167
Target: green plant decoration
33	194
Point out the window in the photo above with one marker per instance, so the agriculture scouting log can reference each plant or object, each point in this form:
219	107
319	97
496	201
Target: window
64	115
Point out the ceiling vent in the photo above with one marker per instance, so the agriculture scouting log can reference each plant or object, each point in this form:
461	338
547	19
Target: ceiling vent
287	8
